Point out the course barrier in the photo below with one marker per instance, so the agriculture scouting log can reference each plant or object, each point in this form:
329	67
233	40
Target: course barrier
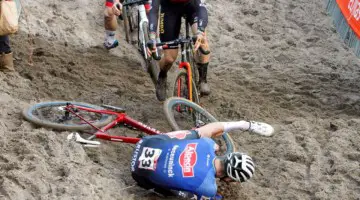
346	16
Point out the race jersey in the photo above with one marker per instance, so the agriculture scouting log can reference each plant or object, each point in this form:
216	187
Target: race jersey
184	165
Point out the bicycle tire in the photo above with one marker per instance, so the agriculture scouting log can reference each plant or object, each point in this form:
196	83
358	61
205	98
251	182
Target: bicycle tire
151	65
181	74
125	13
29	116
191	59
169	110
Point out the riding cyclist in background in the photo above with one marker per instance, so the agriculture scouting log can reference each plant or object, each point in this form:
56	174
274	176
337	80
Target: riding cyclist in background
169	29
183	163
112	10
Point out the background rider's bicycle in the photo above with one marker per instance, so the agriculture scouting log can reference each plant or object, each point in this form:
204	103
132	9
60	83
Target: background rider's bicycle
96	121
183	82
134	17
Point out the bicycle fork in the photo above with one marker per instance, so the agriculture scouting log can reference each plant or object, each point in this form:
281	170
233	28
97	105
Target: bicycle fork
187	67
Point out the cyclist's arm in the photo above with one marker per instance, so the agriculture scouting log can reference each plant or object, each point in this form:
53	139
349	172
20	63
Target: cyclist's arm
153	17
202	15
216	129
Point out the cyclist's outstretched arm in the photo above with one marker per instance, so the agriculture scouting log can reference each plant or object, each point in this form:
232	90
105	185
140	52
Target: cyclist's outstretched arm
218	128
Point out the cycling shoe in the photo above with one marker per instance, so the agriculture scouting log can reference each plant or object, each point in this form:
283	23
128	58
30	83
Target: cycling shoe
261	128
109	45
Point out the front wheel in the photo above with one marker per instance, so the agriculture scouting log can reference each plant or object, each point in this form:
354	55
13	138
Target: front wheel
183	114
54	115
179	86
126	17
151	64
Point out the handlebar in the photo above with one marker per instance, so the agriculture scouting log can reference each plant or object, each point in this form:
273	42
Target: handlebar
179	41
130	2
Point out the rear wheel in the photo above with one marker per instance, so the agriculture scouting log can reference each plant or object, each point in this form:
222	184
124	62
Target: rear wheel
126	17
179	86
151	64
183	114
54	115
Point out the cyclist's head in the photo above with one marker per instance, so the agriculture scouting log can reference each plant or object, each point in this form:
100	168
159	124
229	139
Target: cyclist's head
239	166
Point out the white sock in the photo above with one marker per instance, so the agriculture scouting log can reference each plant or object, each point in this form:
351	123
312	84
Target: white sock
110	36
239	125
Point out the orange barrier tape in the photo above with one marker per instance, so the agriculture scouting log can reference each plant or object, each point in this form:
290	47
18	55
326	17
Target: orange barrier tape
351	12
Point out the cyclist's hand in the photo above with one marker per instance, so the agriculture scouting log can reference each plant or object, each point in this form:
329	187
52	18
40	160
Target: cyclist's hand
200	40
117	8
151	47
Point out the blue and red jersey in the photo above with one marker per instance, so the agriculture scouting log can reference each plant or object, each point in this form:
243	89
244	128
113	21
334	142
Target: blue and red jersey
164	161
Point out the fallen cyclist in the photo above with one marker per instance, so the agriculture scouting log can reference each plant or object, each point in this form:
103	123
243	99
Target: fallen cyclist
184	163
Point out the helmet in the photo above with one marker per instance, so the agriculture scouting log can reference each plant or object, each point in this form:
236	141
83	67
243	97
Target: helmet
239	166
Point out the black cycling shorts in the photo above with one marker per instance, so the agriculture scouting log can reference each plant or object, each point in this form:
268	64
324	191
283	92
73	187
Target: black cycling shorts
171	17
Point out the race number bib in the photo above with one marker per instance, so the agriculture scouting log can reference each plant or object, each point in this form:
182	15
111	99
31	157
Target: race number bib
148	158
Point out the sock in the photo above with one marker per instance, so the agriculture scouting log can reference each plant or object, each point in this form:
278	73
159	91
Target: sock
239	125
162	73
202	67
110	36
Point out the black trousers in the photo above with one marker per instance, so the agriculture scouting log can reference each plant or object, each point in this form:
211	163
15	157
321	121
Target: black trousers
5	44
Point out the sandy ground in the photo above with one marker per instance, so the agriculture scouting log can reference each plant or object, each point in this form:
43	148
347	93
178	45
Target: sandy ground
276	61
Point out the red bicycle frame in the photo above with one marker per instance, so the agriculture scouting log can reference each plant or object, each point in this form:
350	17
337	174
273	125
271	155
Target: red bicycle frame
187	67
121	118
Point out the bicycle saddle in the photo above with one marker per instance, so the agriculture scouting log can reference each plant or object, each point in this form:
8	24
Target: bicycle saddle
114	108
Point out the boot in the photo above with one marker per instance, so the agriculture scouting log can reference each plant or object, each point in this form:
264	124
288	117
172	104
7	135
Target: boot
6	62
161	86
204	86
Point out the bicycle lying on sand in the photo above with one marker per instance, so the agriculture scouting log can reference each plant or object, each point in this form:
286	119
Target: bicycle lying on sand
96	120
134	16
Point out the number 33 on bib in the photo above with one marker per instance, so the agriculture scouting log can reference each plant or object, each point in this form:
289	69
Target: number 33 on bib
148	158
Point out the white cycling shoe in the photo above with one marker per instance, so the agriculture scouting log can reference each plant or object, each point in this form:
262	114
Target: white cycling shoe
261	128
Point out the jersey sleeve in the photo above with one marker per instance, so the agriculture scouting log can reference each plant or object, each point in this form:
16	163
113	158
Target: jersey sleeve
183	135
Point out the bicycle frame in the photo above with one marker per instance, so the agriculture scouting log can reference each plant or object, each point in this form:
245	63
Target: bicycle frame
185	51
121	118
185	65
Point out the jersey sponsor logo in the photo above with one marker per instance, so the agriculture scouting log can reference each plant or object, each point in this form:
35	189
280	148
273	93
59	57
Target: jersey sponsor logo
188	159
171	162
148	158
135	155
178	134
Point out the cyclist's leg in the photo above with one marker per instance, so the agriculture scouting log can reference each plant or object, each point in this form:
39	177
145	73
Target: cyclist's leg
199	12
169	29
110	24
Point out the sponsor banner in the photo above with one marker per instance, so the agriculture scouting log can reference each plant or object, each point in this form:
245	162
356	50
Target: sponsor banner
188	159
351	12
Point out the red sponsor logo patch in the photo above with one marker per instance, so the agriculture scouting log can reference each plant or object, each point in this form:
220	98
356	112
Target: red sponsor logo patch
178	134
188	160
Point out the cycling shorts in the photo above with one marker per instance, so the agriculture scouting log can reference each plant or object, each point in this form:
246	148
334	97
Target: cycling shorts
171	17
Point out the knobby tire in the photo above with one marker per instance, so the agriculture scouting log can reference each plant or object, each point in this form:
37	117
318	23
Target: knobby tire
125	13
41	120
151	64
173	85
170	109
